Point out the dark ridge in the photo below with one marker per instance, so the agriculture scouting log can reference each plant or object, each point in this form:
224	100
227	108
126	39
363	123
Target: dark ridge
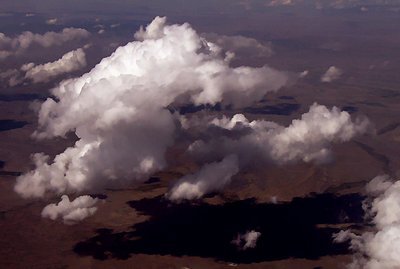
10	173
288	230
285	109
350	109
388	128
21	97
286	97
372	104
380	157
6	125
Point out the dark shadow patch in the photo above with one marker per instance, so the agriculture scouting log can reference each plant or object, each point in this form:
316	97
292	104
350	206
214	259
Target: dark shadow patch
187	109
152	180
350	109
21	97
2	163
288	230
100	196
284	109
6	125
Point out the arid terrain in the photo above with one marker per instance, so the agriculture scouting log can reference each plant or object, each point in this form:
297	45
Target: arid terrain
297	207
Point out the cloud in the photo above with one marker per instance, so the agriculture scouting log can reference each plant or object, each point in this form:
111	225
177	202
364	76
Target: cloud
247	240
13	77
119	109
71	212
379	248
333	73
240	45
69	62
17	45
211	177
121	114
259	142
306	139
51	21
281	3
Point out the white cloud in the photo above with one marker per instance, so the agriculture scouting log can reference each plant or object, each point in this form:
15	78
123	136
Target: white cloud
71	212
211	177
17	45
247	240
118	109
333	73
281	2
306	139
240	45
259	142
52	21
119	113
69	62
379	248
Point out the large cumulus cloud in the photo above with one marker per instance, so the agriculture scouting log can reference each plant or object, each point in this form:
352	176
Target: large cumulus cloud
118	109
121	114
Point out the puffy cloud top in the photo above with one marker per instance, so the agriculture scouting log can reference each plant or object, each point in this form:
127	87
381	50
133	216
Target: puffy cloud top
258	142
69	62
333	73
118	109
71	211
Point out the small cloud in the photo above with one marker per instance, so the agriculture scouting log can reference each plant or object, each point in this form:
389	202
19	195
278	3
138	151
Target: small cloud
69	62
52	21
247	240
304	74
274	3
333	73
17	45
101	31
71	212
